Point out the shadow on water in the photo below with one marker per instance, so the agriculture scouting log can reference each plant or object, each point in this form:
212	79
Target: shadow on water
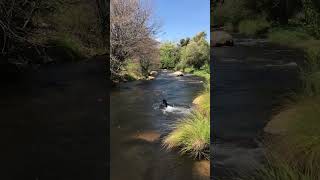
138	126
250	80
53	123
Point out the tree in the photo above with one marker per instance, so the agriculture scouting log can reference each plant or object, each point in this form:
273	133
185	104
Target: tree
183	42
17	24
169	55
103	12
148	55
200	36
131	25
196	53
312	16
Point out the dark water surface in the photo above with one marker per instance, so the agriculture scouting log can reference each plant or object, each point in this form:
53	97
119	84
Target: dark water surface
251	80
138	126
53	123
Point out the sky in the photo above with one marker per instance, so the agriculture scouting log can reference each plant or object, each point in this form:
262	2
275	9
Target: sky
182	18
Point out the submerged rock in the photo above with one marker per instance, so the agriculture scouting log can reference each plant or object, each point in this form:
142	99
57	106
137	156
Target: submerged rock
202	169
278	125
150	136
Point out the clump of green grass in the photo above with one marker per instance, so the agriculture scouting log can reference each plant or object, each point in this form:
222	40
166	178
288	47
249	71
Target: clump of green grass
192	135
295	154
203	72
281	170
132	71
254	27
203	104
289	37
64	48
310	73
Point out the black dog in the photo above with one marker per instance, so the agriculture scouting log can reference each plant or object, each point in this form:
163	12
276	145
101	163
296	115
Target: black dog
164	104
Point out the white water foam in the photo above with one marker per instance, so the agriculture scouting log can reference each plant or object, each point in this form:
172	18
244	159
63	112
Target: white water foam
173	109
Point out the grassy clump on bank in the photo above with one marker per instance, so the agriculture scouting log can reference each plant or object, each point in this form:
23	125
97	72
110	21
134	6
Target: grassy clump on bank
191	135
310	73
295	153
292	37
202	72
132	71
281	170
64	48
254	26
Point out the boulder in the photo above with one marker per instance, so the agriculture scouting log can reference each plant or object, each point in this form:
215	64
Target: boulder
221	38
150	78
178	73
153	73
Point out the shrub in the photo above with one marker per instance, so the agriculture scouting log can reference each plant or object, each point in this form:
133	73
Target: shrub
288	36
64	48
311	72
196	54
231	11
132	71
169	55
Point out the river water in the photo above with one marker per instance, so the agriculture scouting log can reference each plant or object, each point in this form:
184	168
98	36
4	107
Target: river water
137	127
251	81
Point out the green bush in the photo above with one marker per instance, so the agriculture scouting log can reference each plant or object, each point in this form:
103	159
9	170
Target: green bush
132	71
254	27
231	11
288	37
195	54
64	48
311	72
312	17
169	55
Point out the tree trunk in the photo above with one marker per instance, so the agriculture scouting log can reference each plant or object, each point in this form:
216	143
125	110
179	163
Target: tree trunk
283	15
103	9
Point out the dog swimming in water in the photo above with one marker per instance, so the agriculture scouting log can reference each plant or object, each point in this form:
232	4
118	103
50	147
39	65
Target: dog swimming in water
164	104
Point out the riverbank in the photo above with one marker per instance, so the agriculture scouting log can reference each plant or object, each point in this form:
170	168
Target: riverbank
253	78
295	126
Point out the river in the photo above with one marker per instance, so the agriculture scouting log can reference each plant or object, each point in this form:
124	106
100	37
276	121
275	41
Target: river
251	82
138	126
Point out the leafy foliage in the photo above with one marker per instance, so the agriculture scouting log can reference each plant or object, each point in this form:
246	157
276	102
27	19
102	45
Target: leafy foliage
312	16
196	53
169	55
254	27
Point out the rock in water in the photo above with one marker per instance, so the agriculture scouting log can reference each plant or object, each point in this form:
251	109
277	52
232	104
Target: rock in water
150	78
153	73
221	38
178	73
